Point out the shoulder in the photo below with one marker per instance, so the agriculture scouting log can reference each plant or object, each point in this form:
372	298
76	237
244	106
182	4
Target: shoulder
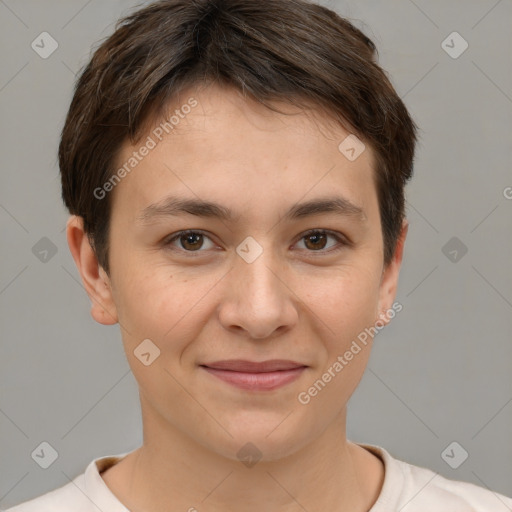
85	493
65	498
418	489
431	489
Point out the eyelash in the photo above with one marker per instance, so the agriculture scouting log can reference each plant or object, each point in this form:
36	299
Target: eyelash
343	242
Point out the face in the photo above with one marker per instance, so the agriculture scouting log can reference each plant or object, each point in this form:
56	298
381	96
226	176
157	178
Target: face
275	280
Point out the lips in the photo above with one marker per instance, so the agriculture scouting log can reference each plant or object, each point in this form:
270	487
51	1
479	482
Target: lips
240	365
256	376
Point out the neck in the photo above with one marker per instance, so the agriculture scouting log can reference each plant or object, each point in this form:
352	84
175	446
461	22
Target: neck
329	473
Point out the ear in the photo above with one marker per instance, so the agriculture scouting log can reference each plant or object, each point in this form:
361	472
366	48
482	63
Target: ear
389	280
96	281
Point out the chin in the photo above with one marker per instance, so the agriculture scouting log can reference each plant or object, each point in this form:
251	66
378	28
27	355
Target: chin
260	440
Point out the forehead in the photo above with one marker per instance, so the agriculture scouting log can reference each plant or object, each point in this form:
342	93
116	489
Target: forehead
214	144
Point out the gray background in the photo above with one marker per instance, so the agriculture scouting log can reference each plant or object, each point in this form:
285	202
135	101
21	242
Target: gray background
441	372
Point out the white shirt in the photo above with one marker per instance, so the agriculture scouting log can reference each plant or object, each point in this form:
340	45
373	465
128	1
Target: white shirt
406	488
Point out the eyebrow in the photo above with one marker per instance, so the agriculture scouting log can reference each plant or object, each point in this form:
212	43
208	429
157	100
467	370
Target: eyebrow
175	206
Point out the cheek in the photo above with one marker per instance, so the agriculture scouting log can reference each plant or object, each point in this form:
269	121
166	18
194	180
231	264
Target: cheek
347	309
146	302
165	306
153	308
346	301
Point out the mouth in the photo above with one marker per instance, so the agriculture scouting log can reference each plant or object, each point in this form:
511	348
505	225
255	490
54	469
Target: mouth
255	376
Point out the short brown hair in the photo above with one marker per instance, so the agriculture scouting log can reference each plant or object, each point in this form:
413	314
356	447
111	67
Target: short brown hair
288	50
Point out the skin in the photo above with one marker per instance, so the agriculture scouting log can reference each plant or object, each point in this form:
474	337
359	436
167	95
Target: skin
296	301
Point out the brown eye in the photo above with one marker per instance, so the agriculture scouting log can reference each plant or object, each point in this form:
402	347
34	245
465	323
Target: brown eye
189	241
316	240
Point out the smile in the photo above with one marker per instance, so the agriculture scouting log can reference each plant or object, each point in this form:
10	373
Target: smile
264	376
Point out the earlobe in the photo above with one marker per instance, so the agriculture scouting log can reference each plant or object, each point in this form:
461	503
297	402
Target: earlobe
389	281
95	280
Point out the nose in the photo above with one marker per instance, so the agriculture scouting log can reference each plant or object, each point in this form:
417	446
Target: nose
259	297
